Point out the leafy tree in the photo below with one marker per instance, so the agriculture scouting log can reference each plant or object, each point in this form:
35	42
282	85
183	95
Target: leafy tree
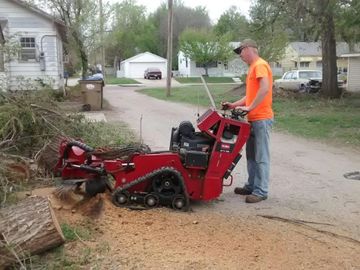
77	16
9	50
203	47
267	31
234	24
348	22
318	20
132	32
184	17
129	29
95	39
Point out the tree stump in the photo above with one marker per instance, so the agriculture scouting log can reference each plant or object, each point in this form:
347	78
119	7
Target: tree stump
27	228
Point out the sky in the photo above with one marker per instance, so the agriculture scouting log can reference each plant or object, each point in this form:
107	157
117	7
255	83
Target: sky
214	7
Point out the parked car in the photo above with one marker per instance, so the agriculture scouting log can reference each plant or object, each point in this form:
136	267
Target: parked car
152	73
298	80
314	85
303	80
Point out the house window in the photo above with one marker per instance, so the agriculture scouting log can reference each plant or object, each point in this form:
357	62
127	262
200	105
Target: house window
295	64
319	64
304	64
226	65
213	64
209	65
28	49
186	63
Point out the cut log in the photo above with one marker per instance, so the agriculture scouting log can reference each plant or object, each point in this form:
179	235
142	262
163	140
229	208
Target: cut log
28	228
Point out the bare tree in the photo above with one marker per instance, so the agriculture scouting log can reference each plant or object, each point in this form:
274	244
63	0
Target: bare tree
77	16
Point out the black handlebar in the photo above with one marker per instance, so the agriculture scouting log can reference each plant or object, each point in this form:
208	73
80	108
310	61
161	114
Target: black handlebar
237	114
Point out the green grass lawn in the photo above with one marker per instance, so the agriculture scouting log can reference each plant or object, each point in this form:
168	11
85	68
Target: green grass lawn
314	117
114	80
304	115
193	94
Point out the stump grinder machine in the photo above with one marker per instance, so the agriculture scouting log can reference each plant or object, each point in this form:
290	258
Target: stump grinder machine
196	167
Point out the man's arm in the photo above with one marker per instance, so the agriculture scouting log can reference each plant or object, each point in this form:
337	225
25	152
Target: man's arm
229	105
262	92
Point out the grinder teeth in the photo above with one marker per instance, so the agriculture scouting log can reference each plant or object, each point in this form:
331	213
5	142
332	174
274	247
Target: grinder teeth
63	191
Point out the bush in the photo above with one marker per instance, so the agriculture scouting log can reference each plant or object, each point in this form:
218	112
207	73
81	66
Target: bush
29	120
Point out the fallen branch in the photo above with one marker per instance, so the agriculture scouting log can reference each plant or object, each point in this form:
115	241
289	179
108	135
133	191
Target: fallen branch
312	238
78	237
304	224
46	109
294	221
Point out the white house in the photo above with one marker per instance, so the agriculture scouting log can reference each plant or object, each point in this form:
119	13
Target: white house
135	66
353	71
39	57
308	55
232	68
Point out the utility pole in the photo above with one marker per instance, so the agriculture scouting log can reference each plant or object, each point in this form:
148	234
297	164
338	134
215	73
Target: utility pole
102	46
169	47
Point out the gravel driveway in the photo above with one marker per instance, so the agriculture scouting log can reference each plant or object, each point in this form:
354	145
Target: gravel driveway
307	180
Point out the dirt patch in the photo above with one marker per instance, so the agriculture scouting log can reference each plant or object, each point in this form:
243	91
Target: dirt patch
166	239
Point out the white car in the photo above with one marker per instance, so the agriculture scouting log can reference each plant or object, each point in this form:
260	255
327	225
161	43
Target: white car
297	80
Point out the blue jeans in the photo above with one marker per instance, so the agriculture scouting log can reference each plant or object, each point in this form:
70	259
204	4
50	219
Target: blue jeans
258	157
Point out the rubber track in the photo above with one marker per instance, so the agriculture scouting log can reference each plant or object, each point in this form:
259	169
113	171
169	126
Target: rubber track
152	174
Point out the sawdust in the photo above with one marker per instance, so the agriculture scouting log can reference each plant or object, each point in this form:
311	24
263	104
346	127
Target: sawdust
166	239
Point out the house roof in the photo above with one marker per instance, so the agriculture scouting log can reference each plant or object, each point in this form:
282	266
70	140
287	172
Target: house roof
350	55
60	25
307	48
38	11
314	48
137	58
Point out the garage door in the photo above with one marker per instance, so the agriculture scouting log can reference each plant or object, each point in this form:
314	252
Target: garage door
137	69
353	78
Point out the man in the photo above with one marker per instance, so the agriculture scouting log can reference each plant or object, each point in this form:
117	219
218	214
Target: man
258	103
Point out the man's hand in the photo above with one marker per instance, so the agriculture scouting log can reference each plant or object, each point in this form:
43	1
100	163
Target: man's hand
226	105
243	108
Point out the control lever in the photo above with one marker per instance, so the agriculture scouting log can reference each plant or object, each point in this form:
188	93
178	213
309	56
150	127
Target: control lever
237	114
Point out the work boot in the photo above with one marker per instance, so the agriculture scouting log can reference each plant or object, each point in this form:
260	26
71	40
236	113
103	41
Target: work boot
254	198
242	191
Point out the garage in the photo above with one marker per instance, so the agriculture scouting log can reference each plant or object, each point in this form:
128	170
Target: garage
353	79
135	66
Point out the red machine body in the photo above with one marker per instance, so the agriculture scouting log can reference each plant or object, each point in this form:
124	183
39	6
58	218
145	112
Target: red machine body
194	167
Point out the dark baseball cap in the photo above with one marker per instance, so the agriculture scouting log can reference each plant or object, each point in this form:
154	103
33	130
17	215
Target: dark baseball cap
245	43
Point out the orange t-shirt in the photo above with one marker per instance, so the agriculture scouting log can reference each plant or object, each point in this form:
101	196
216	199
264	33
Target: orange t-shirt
259	69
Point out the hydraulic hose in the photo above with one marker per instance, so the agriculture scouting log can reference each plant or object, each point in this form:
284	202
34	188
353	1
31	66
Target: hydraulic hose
81	145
